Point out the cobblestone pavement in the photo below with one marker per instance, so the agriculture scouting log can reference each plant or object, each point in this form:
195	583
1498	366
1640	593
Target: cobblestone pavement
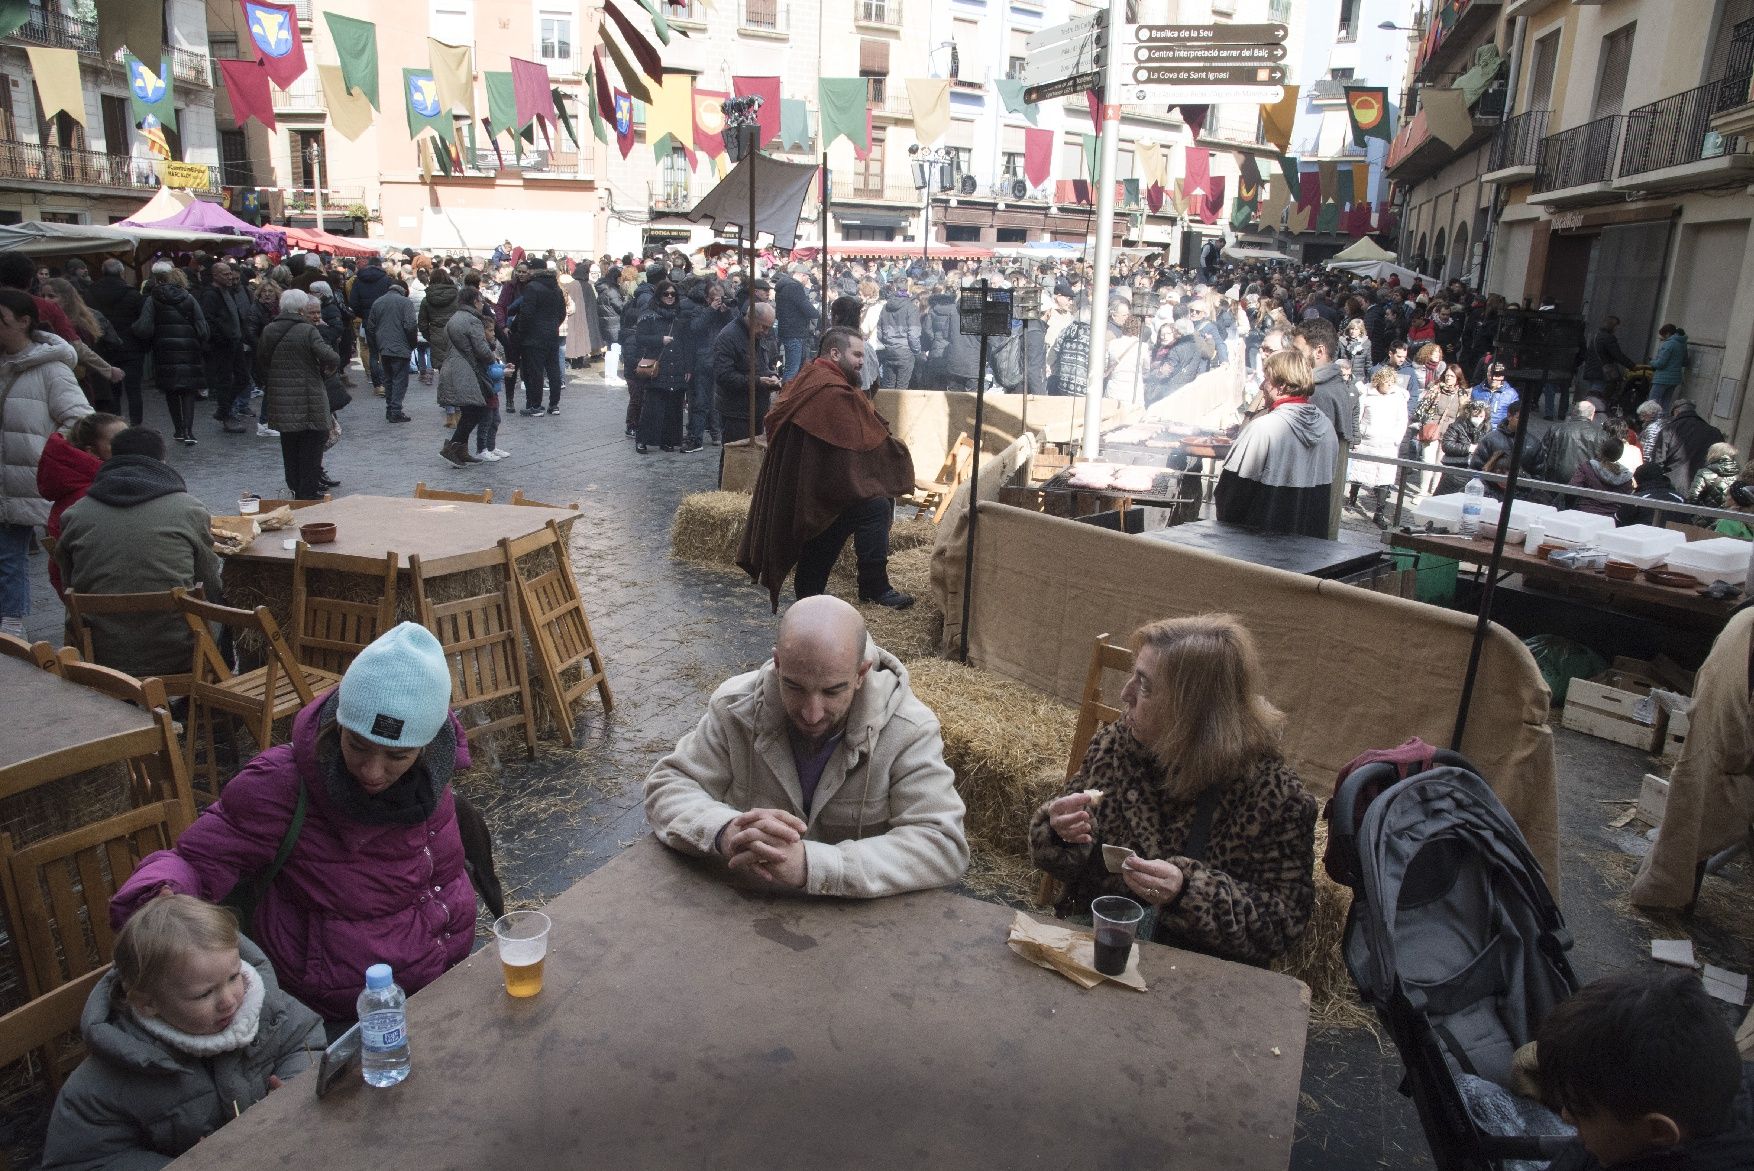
671	631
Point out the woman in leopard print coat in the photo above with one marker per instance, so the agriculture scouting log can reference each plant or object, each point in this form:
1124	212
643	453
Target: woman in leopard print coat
1192	702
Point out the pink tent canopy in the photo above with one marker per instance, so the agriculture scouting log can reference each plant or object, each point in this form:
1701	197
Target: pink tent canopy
316	241
202	216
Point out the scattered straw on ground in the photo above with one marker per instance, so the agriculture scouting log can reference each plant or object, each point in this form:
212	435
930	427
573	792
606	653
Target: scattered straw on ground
907	634
708	527
1007	744
1723	907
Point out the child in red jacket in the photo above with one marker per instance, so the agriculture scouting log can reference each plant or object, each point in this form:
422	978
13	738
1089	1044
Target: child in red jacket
67	468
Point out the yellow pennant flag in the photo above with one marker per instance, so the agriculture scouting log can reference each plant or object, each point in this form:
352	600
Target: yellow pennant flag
1299	221
671	110
350	112
1277	119
1272	212
453	72
1153	162
930	99
57	77
1360	185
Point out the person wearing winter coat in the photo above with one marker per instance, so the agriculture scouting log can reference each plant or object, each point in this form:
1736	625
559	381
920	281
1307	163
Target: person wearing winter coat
1659	444
43	398
796	319
709	312
1711	487
67	468
1175	361
1695	435
292	367
1649	483
391	329
821	772
660	337
536	339
464	384
226	306
376	874
731	369
610	303
1071	353
953	359
1574	442
1669	365
371	283
898	333
186	1031
435	311
1498	395
138	531
1280	472
1380	431
1459	440
1603	473
172	323
1355	348
118	301
584	336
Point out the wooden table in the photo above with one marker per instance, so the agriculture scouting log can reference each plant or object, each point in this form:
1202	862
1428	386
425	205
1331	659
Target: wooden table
685	1023
1310	556
54	728
1636	594
439	531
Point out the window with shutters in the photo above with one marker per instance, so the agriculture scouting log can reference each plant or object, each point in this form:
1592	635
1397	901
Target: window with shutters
222	46
61	131
1545	59
868	171
117	123
234	160
1011	164
673	179
303	174
1611	70
874	68
1722	62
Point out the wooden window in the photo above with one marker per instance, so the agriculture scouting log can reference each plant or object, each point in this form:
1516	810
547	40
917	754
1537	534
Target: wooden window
302	142
118	123
1611	71
868	171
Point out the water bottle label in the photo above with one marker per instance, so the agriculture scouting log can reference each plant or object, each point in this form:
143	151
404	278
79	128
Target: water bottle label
1470	509
383	1030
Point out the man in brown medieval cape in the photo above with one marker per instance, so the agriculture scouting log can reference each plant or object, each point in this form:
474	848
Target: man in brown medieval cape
832	470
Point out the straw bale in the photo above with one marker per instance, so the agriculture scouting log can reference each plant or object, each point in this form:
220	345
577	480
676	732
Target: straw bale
1006	742
709	526
1317	957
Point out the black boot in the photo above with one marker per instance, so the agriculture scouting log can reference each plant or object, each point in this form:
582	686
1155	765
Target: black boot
874	586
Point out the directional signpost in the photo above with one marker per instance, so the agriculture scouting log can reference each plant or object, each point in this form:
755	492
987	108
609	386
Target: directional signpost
1198	64
1066	59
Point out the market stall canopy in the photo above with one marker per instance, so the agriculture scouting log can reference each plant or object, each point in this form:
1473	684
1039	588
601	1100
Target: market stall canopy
780	189
314	241
1363	249
882	251
1380	270
1238	252
201	216
34	238
167	203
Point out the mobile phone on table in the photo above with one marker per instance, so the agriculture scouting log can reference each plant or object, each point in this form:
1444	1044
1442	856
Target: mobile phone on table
341	1056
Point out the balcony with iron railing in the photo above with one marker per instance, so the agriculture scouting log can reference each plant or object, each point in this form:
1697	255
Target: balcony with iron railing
34	163
1516	148
1582	157
884	13
762	18
1676	131
670	195
855	187
60	30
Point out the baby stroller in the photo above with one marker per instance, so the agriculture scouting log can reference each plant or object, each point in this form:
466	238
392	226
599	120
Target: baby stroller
1453	939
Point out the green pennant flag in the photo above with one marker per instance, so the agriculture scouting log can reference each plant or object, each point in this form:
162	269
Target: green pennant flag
13	15
560	101
1129	193
1092	161
794	124
842	101
1288	168
660	23
356	45
150	94
1328	218
1011	94
662	148
502	102
420	94
599	130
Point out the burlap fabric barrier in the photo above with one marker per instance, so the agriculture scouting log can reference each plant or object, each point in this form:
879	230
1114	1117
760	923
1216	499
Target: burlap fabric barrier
952	543
1351	669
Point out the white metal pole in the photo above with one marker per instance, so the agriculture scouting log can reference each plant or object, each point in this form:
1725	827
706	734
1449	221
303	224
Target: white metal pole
1091	446
317	182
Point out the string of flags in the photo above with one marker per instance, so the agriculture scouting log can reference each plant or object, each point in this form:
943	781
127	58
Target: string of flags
523	106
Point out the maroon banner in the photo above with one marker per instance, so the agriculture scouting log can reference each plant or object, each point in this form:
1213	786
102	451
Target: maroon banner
246	83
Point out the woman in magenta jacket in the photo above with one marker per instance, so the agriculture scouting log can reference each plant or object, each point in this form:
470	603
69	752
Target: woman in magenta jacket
376	874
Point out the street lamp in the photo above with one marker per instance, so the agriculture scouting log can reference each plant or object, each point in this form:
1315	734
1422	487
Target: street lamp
1389	26
924	161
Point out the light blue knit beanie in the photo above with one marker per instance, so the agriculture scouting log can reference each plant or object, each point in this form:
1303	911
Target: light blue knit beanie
398	691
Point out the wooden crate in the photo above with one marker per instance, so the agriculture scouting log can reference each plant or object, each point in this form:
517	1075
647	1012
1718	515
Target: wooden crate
1653	797
1615	706
1675	735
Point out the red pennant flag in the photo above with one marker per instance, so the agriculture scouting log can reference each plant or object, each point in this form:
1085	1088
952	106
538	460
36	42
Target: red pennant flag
605	95
1094	101
862	155
768	90
246	82
275	41
649	62
1213	206
709	122
533	96
1154	197
624	138
1198	176
1038	156
1195	117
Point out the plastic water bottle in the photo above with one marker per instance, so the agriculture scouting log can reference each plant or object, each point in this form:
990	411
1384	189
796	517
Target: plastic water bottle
1473	497
383	1029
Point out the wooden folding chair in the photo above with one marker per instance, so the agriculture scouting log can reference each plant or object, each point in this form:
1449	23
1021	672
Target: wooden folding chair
58	889
281	687
935	495
422	492
554	616
37	1027
37	654
82	608
162	776
327	631
518	497
1094	712
483	640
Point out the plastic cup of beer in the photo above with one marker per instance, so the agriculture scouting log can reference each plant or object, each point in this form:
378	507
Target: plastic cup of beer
523	944
1116	920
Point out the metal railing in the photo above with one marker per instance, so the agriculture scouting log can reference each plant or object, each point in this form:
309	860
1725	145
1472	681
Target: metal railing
336	200
883	12
670	195
83	168
1583	154
856	188
1677	129
766	16
1518	141
305	94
